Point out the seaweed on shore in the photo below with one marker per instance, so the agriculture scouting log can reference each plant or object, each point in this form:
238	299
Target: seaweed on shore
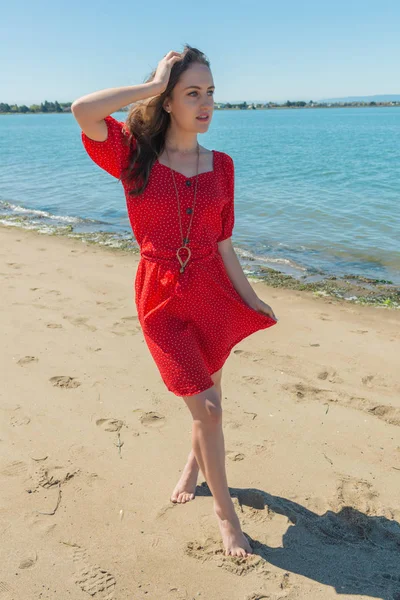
351	288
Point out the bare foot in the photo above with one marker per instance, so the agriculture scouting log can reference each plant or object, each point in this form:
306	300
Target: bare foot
233	538
186	486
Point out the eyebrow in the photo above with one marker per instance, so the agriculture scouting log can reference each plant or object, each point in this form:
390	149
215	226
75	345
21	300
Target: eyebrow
198	87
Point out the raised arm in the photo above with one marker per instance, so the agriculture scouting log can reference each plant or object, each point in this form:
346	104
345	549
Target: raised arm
91	110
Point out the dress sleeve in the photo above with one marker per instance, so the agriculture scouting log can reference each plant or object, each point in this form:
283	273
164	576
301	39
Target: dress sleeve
228	210
111	154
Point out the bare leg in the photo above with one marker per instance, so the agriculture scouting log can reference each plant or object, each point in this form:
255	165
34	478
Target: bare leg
185	489
209	449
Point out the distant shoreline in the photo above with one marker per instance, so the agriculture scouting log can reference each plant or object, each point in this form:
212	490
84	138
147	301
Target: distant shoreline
236	108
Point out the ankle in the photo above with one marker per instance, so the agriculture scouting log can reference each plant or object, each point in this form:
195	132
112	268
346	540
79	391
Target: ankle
191	464
226	513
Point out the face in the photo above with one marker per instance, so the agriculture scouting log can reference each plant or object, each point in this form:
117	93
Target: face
192	96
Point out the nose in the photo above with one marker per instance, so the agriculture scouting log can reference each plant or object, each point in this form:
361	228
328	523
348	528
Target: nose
208	105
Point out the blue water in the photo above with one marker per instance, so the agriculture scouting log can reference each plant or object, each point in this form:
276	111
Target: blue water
317	190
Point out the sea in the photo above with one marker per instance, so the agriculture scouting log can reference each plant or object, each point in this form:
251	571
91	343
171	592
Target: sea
317	191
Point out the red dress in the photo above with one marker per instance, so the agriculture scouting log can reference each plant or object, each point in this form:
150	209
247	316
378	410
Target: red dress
190	321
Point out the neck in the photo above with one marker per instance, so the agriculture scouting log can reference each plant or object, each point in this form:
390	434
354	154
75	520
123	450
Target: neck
181	143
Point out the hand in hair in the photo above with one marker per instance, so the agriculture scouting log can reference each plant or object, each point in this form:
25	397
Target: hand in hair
164	67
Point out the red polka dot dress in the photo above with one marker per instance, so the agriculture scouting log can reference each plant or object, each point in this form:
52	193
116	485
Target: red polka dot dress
190	321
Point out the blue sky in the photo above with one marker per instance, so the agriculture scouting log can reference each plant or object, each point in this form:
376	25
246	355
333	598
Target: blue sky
263	51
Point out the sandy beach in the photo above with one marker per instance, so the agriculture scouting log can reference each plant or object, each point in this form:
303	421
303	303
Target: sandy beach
92	444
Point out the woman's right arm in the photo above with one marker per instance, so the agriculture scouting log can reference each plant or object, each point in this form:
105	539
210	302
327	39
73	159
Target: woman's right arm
91	110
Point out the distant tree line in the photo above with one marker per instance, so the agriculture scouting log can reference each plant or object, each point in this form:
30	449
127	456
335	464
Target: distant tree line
65	107
44	107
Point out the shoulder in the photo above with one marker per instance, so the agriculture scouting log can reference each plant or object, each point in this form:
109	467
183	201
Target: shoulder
117	132
224	156
226	161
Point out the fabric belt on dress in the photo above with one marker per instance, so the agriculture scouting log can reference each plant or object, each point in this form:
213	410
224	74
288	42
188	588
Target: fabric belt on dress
173	275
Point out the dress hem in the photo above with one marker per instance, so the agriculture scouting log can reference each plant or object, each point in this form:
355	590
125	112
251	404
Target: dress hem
223	361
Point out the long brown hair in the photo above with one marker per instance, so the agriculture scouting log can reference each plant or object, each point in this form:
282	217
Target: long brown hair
147	123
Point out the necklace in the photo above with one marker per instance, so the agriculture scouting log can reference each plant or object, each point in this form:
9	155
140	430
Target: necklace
186	239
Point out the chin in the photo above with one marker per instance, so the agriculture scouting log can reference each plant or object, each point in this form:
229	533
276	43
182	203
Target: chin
203	126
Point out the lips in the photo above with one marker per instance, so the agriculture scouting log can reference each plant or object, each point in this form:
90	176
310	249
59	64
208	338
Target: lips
203	117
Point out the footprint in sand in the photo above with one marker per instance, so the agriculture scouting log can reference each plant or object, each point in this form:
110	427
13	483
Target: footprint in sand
126	326
213	551
389	414
80	322
20	420
92	579
330	375
357	493
107	305
253	356
325	317
377	382
367	380
361	518
28	562
253	380
48	475
110	424
26	360
234	455
64	381
245	354
152	419
264	448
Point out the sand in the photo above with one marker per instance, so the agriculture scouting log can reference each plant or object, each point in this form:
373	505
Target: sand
92	444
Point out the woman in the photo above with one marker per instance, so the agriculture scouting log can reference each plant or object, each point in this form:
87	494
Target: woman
193	300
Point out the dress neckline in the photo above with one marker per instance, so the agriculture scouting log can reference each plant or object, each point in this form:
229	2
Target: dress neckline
192	176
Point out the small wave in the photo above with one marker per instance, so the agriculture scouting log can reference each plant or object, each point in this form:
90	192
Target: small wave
102	238
269	259
43	214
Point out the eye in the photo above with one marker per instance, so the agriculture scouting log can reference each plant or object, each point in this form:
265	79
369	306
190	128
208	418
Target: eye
190	93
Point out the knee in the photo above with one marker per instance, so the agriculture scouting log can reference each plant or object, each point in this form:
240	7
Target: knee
205	407
212	411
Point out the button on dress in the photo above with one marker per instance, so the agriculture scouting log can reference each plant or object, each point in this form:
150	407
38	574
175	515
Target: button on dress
190	321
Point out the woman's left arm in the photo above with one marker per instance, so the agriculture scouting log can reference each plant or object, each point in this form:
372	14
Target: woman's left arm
239	279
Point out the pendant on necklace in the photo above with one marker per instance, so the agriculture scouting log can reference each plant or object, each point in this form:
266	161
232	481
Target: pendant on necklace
183	264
